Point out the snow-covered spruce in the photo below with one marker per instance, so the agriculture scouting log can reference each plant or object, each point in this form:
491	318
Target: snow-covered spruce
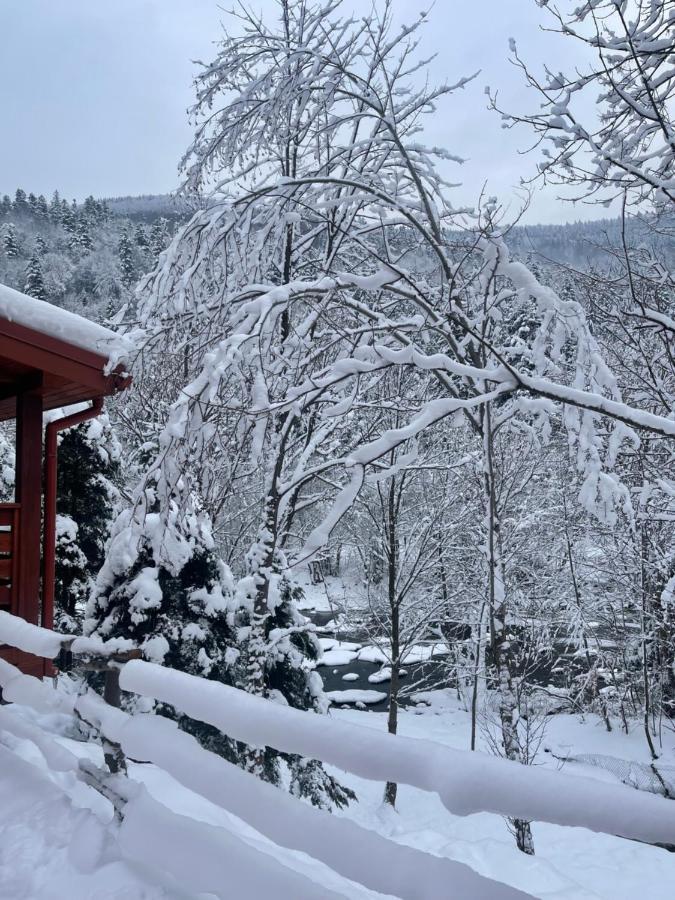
87	499
163	586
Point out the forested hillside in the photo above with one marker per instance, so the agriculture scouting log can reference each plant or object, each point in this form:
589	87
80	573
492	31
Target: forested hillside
86	256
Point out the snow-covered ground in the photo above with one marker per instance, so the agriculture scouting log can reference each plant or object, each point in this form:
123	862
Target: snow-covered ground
50	824
333	594
570	863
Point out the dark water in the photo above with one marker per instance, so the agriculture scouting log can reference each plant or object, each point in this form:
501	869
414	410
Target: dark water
557	668
421	676
424	676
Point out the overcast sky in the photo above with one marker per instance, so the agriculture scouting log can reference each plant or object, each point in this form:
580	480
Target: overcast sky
94	92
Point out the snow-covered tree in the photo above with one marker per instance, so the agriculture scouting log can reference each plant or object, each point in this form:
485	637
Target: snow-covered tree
159	236
163	587
34	284
89	460
7	466
72	577
10	244
622	147
126	260
41	247
20	204
324	253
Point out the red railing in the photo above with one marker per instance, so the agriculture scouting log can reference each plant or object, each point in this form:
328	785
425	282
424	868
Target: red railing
9	554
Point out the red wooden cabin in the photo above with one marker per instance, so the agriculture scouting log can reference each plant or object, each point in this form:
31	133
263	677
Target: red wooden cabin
49	359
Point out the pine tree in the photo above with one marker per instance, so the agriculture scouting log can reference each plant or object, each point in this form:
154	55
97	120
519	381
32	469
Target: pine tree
88	465
90	209
163	586
67	217
21	202
5	206
126	260
42	207
285	655
10	242
7	467
55	208
40	246
80	240
89	460
159	236
141	237
34	284
72	581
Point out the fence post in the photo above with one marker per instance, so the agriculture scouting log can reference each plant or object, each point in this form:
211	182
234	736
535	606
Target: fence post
112	752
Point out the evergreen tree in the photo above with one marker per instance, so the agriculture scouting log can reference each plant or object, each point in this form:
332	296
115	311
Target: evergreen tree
67	217
286	654
21	202
72	581
89	459
159	236
5	206
42	207
141	238
90	209
126	260
80	240
88	464
7	467
10	242
55	208
34	284
163	586
40	246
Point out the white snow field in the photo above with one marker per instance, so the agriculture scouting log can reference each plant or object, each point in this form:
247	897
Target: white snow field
56	841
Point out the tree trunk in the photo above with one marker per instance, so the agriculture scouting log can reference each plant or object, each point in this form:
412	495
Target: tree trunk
261	561
391	787
502	644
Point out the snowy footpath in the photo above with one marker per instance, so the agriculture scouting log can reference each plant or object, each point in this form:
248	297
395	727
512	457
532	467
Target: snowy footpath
54	843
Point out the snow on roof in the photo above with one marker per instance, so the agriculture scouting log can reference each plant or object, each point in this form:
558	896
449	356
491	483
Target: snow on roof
60	323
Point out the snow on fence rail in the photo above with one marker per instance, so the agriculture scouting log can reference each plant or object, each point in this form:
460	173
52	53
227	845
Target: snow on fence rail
216	859
467	782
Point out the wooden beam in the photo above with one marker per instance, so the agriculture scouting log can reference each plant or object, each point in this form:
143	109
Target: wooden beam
28	489
12	389
45	353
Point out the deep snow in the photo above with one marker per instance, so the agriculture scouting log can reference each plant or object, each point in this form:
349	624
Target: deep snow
42	814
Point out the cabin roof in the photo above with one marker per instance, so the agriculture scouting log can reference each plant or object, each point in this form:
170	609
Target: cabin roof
58	323
63	356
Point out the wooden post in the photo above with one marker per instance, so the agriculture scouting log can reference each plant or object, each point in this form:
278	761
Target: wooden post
28	490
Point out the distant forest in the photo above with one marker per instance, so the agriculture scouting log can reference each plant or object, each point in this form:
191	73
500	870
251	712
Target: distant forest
88	256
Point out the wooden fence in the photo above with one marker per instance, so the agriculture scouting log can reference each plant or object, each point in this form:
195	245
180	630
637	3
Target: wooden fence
221	861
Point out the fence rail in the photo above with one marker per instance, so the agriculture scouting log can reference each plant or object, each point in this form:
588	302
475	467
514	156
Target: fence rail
466	782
